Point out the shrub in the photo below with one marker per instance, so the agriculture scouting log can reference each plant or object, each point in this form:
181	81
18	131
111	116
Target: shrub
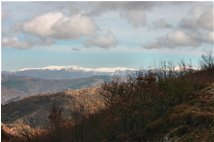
207	62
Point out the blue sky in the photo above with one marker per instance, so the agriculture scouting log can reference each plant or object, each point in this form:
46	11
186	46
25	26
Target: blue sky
104	34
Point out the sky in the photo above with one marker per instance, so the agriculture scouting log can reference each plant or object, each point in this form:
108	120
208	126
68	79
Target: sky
104	34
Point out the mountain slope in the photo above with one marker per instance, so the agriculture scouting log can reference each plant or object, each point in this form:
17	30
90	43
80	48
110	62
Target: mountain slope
176	109
16	87
35	110
191	121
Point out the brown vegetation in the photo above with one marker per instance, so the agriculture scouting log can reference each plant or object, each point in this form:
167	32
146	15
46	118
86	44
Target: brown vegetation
160	105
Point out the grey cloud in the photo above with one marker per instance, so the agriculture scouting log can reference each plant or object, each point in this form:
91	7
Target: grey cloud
200	17
100	7
133	12
135	17
76	49
161	23
4	14
176	39
208	37
182	38
103	41
193	30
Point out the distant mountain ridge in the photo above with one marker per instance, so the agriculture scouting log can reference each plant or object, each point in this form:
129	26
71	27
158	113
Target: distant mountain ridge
73	72
70	72
33	81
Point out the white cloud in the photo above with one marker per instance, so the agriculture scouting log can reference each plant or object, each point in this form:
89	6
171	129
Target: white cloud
57	25
103	41
74	27
15	43
180	38
42	25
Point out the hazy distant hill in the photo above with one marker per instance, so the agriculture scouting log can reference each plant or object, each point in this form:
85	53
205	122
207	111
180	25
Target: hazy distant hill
16	87
33	81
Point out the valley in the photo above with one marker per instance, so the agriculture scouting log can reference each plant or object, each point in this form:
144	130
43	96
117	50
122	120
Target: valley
16	87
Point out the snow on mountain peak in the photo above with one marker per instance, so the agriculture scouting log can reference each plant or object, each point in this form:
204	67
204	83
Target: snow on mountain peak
78	68
181	68
110	70
44	68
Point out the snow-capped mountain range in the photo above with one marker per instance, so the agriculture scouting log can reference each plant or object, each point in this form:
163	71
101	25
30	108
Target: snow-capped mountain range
78	68
71	72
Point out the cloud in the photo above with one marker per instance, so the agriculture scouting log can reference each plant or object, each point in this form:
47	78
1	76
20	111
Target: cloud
59	26
56	26
175	39
4	15
135	17
161	23
193	29
76	49
15	43
101	7
74	27
180	38
103	41
199	17
42	25
208	37
133	12
75	20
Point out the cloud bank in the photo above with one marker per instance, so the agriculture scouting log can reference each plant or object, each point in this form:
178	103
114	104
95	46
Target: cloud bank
77	21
